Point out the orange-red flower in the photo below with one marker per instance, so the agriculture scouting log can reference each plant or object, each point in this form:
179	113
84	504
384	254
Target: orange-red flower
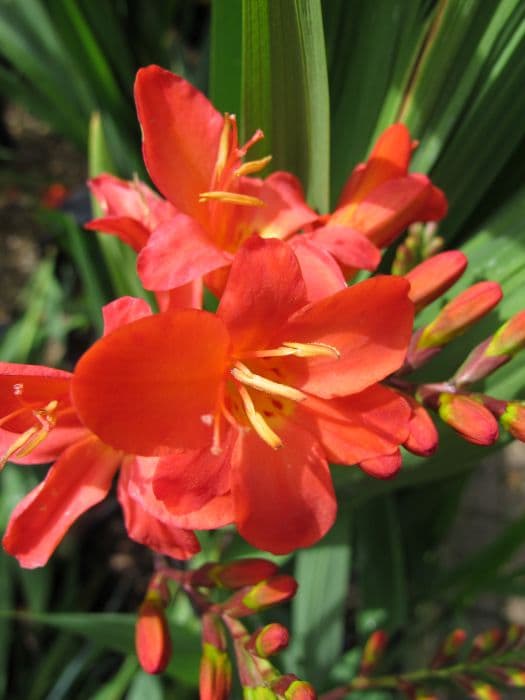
239	411
39	424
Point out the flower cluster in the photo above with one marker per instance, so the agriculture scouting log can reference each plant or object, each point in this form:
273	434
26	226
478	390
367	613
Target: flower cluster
233	417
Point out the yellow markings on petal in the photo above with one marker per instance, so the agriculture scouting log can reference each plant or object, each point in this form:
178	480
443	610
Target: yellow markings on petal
298	350
257	422
32	437
252	166
245	376
231	198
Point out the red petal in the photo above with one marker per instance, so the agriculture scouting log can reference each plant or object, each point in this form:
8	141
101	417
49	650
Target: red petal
178	252
389	159
124	310
264	288
359	427
370	324
383	467
186	481
181	133
348	246
129	231
150	383
126	198
77	481
147	529
283	498
188	296
215	513
423	437
322	275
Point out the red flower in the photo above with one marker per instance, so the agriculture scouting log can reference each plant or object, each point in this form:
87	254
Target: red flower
40	425
257	397
379	201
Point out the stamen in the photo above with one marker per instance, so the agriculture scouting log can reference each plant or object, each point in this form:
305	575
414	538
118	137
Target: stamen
298	350
224	146
231	198
32	437
242	374
258	423
252	166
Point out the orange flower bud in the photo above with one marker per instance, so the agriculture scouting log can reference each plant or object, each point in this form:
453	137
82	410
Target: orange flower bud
423	436
235	574
300	690
265	594
431	278
467	308
269	640
383	466
510	338
373	651
450	647
485	643
152	637
215	676
478	690
469	418
513	420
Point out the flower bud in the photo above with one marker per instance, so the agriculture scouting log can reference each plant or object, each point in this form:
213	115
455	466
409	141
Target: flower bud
431	278
469	418
235	574
450	647
300	690
479	365
265	594
269	640
478	690
485	643
513	420
259	693
152	638
510	338
458	315
215	676
373	651
423	436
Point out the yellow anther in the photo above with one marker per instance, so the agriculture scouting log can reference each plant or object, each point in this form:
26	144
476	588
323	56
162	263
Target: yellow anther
257	422
224	145
298	350
231	198
252	166
32	437
242	374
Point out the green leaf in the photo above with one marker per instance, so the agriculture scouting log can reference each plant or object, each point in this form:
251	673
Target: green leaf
285	89
115	688
318	609
145	686
225	59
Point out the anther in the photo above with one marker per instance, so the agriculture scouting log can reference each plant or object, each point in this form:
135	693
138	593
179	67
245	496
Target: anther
257	422
231	198
298	350
242	374
252	166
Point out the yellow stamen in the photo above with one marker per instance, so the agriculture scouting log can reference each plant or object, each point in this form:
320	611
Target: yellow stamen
252	166
32	437
257	422
231	198
242	374
224	145
298	350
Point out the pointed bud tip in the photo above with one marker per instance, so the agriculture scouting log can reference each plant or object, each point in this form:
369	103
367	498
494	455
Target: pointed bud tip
431	278
469	418
152	638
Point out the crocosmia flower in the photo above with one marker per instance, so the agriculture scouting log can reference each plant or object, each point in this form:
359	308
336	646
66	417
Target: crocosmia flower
236	414
39	424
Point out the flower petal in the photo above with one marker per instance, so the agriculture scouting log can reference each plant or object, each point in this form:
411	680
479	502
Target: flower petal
370	325
322	275
350	247
124	310
181	132
129	231
178	252
149	530
264	288
76	482
149	384
358	427
283	498
383	467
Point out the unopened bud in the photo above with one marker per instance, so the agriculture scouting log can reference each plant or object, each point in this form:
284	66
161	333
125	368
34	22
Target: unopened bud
300	690
478	690
469	418
373	651
235	574
485	643
383	466
265	594
215	676
213	631
260	693
458	315
431	278
152	637
479	365
450	648
514	636
423	436
510	338
269	640
514	677
513	420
